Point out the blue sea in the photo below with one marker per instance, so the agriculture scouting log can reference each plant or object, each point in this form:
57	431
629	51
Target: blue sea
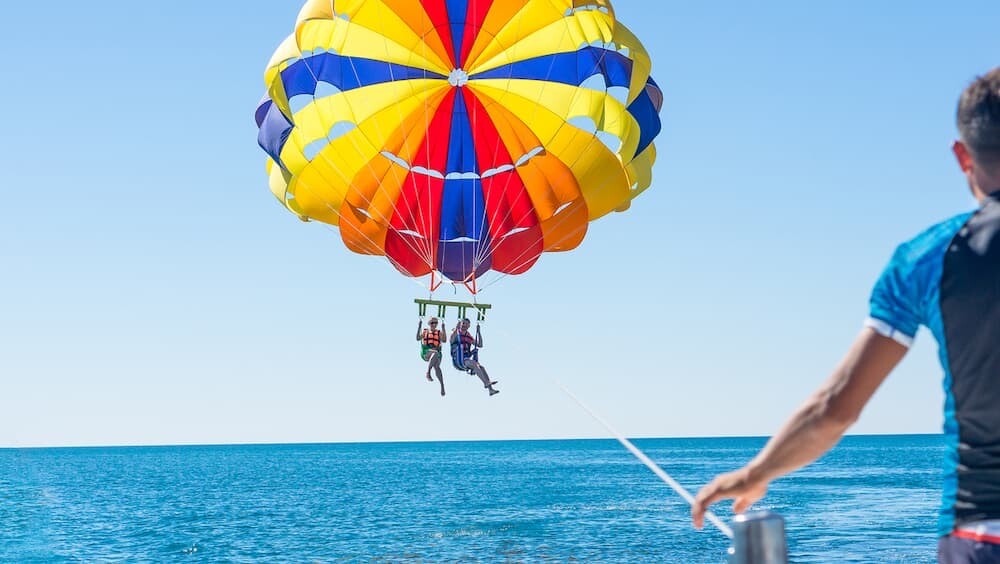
873	498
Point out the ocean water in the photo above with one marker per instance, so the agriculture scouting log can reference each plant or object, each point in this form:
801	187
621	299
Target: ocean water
872	499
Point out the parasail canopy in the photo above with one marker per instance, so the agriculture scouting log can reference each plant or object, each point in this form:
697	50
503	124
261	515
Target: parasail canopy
459	136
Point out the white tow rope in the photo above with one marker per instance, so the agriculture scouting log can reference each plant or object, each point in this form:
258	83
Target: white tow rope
719	524
649	463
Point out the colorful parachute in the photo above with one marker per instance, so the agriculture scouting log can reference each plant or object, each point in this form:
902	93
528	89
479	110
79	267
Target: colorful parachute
459	136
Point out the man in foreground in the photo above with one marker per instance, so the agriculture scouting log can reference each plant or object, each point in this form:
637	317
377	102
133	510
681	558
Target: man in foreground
947	279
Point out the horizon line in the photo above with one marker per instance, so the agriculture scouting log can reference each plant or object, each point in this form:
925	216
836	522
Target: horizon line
419	441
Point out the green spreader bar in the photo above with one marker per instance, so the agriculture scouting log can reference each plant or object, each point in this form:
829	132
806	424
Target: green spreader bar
442	307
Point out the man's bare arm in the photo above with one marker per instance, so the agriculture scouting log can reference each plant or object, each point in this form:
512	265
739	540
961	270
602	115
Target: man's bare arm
814	428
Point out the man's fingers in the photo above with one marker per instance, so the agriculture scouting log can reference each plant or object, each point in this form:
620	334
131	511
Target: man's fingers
698	513
706	496
709	500
742	504
733	485
749	496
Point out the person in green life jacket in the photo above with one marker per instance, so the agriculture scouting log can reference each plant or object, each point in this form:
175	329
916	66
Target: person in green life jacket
430	348
470	358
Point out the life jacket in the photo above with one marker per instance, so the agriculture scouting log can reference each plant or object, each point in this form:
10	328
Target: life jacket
432	338
467	342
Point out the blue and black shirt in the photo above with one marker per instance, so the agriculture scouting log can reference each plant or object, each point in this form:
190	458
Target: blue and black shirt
948	280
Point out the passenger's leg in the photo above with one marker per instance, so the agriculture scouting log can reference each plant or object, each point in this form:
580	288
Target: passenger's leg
435	363
484	376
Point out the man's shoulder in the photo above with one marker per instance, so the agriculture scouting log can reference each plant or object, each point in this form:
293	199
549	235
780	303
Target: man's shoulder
930	243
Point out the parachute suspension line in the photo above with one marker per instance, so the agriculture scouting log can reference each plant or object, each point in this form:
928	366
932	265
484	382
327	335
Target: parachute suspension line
573	233
350	183
424	213
331	228
558	222
484	251
390	259
338	214
428	254
510	208
476	236
422	252
493	244
434	246
567	236
426	218
370	241
593	140
482	231
329	207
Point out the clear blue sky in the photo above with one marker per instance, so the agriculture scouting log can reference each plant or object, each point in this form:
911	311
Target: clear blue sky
153	291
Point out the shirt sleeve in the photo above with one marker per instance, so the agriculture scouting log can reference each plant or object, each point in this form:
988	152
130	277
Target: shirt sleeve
906	294
895	307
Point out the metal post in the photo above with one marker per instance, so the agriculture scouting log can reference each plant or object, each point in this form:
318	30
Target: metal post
758	538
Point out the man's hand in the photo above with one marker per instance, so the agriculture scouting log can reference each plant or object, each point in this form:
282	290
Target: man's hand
736	485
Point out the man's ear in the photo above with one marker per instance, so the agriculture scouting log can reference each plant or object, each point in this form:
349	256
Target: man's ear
963	156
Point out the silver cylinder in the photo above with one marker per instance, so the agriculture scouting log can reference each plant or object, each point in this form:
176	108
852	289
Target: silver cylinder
758	538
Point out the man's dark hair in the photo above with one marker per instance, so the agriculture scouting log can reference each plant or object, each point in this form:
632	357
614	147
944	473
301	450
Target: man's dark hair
979	119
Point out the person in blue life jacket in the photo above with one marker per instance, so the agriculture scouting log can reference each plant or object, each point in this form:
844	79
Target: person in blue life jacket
948	280
468	357
430	348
